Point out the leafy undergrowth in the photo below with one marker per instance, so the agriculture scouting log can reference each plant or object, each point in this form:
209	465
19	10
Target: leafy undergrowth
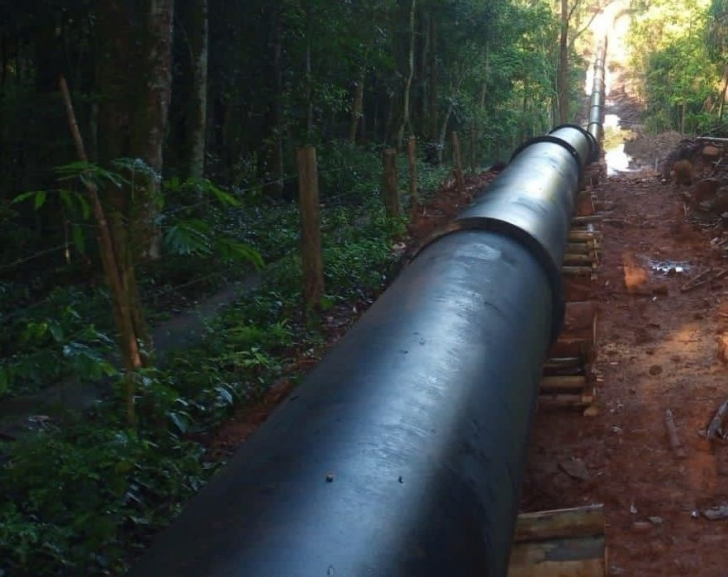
85	496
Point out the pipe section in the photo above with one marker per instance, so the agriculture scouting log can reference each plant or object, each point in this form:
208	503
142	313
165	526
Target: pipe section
597	101
402	454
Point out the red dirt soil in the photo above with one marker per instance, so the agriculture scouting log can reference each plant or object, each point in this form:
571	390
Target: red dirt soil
655	352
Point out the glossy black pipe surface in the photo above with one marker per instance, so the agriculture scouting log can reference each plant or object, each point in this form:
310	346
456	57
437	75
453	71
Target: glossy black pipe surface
402	454
598	97
532	200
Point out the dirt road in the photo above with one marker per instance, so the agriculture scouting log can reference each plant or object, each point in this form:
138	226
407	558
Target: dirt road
657	350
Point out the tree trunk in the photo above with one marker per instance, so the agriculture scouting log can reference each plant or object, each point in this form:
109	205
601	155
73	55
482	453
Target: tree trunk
434	79
406	123
272	158
150	125
562	79
194	17
357	110
722	94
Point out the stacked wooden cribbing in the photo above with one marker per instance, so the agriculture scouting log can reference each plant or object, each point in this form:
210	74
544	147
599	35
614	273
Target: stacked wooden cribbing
561	543
567	380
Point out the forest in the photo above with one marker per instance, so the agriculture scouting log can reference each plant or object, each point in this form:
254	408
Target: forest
148	167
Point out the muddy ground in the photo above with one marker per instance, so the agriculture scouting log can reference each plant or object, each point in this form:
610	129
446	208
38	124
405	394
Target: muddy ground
657	350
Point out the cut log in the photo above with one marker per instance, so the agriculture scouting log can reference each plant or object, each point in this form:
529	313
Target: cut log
579	259
565	400
576	270
584	557
583	235
563	384
675	443
563	363
578	248
577	220
577	522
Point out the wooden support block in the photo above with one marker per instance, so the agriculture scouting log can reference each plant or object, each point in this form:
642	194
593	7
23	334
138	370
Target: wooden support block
576	259
578	248
584	204
561	543
563	384
565	400
558	363
576	235
582	557
577	220
576	270
576	522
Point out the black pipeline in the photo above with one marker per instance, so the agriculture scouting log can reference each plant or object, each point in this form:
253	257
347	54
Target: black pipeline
402	453
598	95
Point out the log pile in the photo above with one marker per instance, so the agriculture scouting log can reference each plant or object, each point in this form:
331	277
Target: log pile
560	543
567	380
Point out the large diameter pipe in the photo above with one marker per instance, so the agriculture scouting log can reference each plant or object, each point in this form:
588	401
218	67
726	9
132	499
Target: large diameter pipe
533	200
597	101
402	454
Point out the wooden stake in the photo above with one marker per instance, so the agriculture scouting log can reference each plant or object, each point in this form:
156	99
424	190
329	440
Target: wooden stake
457	160
390	187
308	200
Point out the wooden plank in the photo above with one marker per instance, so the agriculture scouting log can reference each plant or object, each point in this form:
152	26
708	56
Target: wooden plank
559	558
585	521
564	383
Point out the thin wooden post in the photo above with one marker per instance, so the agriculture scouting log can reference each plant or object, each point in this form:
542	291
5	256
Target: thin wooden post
390	188
412	158
308	200
457	160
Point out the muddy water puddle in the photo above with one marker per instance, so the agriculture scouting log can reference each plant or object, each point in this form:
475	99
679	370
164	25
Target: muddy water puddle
669	267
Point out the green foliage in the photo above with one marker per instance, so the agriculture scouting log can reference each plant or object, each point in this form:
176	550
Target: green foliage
82	499
46	343
676	49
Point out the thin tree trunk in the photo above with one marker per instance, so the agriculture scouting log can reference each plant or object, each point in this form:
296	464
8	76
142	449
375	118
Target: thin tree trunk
406	123
198	37
434	80
722	93
122	299
149	128
562	79
272	160
357	110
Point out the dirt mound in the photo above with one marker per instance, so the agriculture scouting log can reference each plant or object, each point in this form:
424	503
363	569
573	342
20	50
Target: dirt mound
653	150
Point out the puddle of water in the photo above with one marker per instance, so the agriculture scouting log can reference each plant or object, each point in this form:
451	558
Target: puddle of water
616	158
669	267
